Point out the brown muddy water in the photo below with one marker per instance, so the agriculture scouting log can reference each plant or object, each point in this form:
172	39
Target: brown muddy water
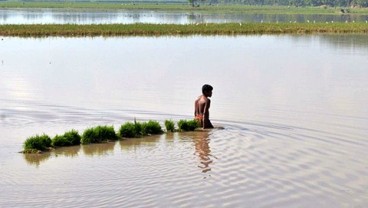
293	108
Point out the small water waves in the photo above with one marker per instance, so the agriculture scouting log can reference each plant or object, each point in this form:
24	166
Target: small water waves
26	113
294	127
245	164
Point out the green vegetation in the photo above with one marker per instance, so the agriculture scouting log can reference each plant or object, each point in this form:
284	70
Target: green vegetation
169	125
151	127
98	134
60	141
172	29
68	139
130	130
187	125
36	143
136	129
245	6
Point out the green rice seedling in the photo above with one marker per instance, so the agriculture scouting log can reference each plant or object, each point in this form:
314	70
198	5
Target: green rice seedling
183	125
59	141
68	139
37	142
138	128
151	127
106	132
154	127
98	134
169	125
130	130
187	125
193	124
73	137
89	136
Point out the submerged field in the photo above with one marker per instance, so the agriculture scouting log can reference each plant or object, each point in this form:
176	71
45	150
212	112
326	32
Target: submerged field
185	7
112	19
293	108
174	29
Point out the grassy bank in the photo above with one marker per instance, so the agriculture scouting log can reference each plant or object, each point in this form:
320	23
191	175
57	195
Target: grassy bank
183	7
172	29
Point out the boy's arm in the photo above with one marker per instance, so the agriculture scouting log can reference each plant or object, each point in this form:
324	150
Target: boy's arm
195	107
206	117
206	108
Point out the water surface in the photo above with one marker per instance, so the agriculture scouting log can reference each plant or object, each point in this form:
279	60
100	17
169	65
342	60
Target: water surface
293	109
62	16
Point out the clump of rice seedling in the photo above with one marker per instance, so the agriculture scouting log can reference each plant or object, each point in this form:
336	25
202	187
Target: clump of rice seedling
59	141
106	132
89	136
130	130
169	125
138	128
32	144
187	125
151	127
98	134
73	137
68	139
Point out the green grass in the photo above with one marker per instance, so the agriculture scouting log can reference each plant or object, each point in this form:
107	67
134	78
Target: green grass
98	134
37	143
169	125
130	130
68	139
187	125
173	29
137	129
232	8
151	127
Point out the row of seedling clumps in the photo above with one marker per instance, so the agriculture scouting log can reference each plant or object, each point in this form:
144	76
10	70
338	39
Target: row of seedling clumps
99	134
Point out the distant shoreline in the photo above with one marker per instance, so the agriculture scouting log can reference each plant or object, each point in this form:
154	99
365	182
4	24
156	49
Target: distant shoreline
70	30
230	8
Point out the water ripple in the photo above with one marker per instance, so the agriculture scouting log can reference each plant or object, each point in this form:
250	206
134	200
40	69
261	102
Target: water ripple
254	164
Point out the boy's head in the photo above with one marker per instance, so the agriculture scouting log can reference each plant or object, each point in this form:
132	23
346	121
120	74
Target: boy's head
207	90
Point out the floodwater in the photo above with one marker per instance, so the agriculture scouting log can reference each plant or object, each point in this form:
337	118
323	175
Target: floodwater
62	16
293	108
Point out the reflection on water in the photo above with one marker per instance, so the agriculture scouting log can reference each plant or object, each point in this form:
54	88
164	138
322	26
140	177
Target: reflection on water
59	16
36	159
199	138
73	151
133	144
68	151
293	108
203	151
346	42
98	149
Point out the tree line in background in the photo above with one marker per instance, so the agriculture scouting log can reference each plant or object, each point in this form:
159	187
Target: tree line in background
197	3
332	3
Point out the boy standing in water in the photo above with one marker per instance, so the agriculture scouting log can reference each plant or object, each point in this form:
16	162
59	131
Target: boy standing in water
202	106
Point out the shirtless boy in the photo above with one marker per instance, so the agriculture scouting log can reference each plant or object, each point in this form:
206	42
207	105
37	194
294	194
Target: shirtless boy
202	106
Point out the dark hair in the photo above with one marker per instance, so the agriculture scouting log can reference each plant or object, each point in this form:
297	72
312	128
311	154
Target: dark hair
206	88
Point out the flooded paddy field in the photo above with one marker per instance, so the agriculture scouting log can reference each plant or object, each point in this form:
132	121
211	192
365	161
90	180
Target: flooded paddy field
293	110
64	16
